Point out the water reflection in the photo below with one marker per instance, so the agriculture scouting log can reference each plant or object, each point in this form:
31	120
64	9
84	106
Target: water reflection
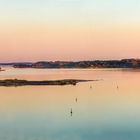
71	112
76	99
90	87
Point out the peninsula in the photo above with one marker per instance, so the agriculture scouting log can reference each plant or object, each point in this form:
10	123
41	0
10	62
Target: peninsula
16	82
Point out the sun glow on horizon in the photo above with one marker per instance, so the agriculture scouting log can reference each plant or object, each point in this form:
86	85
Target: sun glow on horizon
69	30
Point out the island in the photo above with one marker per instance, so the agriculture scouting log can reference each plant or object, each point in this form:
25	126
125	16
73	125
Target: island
16	82
124	63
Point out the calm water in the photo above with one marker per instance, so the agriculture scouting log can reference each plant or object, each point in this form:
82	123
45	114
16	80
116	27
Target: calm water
109	110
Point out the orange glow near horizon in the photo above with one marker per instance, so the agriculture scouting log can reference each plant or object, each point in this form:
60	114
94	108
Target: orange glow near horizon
33	43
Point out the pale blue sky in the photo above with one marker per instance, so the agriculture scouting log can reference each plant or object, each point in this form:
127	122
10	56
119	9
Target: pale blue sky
61	10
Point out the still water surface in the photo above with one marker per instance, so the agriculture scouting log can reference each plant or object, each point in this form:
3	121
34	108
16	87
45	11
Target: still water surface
105	110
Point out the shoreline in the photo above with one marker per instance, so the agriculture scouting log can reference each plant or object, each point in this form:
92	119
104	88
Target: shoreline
17	82
123	63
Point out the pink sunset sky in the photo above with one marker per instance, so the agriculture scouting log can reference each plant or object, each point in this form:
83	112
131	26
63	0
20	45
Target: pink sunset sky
69	30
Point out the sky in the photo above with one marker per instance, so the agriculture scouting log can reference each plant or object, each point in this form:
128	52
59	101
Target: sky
71	30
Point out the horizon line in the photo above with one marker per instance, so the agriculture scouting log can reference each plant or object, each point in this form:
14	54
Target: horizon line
9	62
